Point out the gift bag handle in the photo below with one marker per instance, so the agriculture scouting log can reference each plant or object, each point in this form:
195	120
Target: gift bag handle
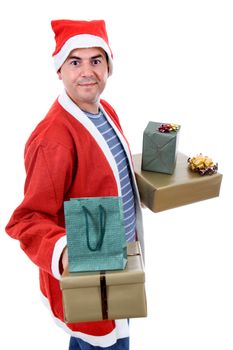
102	219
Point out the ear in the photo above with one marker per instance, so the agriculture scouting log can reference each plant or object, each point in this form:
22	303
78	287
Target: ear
59	74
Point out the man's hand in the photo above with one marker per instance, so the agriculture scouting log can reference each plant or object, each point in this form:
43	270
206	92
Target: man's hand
64	259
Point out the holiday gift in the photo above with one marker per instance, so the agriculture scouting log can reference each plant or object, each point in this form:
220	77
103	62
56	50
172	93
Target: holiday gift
95	234
162	191
106	295
160	147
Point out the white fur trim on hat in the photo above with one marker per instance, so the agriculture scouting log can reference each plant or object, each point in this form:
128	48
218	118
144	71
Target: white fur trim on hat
81	41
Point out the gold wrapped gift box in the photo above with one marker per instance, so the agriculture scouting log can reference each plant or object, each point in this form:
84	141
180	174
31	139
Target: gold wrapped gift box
109	295
160	192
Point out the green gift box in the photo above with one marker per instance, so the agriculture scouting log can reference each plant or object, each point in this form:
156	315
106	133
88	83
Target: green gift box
159	148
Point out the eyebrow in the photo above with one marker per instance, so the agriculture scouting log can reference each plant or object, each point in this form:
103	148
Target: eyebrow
79	58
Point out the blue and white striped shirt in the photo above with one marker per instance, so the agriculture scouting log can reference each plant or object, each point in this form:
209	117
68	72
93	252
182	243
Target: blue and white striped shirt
122	163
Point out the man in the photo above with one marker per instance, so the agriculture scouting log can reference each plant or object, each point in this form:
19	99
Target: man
77	150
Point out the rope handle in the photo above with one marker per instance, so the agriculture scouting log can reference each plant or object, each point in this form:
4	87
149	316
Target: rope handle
102	219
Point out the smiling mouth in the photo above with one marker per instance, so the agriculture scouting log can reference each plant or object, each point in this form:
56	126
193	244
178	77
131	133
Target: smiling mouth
87	84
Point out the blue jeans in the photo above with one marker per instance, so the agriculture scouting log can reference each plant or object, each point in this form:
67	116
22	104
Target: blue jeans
78	344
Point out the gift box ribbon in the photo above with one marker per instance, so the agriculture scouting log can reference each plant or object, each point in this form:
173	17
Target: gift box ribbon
103	291
165	128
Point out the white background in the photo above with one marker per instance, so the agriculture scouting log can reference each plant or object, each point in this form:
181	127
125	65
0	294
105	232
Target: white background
173	63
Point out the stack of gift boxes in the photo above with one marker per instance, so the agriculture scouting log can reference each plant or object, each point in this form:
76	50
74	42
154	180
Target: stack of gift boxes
92	288
105	278
167	178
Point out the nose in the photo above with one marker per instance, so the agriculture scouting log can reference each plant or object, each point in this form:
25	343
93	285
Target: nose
86	70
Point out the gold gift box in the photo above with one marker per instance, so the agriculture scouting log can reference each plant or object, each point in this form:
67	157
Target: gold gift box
160	191
93	296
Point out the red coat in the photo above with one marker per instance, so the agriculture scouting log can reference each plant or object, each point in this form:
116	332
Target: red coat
66	157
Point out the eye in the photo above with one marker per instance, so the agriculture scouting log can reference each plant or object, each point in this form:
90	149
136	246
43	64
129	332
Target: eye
74	62
96	61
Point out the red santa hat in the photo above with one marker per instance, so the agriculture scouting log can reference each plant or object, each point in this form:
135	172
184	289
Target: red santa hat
70	35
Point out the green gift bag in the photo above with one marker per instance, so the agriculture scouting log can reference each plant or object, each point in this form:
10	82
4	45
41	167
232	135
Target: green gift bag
95	234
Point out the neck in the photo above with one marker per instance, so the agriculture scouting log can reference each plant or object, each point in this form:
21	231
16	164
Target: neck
91	107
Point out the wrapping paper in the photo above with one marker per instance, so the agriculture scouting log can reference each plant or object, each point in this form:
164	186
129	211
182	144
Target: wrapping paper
105	295
159	148
160	192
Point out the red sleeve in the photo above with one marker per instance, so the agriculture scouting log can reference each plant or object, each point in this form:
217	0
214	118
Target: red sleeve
36	223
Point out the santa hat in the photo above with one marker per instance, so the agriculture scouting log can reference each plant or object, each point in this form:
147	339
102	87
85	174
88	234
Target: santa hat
70	35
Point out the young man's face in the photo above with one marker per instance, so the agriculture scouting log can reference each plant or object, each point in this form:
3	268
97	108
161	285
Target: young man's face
84	75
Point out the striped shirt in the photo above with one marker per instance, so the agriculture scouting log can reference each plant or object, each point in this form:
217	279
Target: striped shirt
122	163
